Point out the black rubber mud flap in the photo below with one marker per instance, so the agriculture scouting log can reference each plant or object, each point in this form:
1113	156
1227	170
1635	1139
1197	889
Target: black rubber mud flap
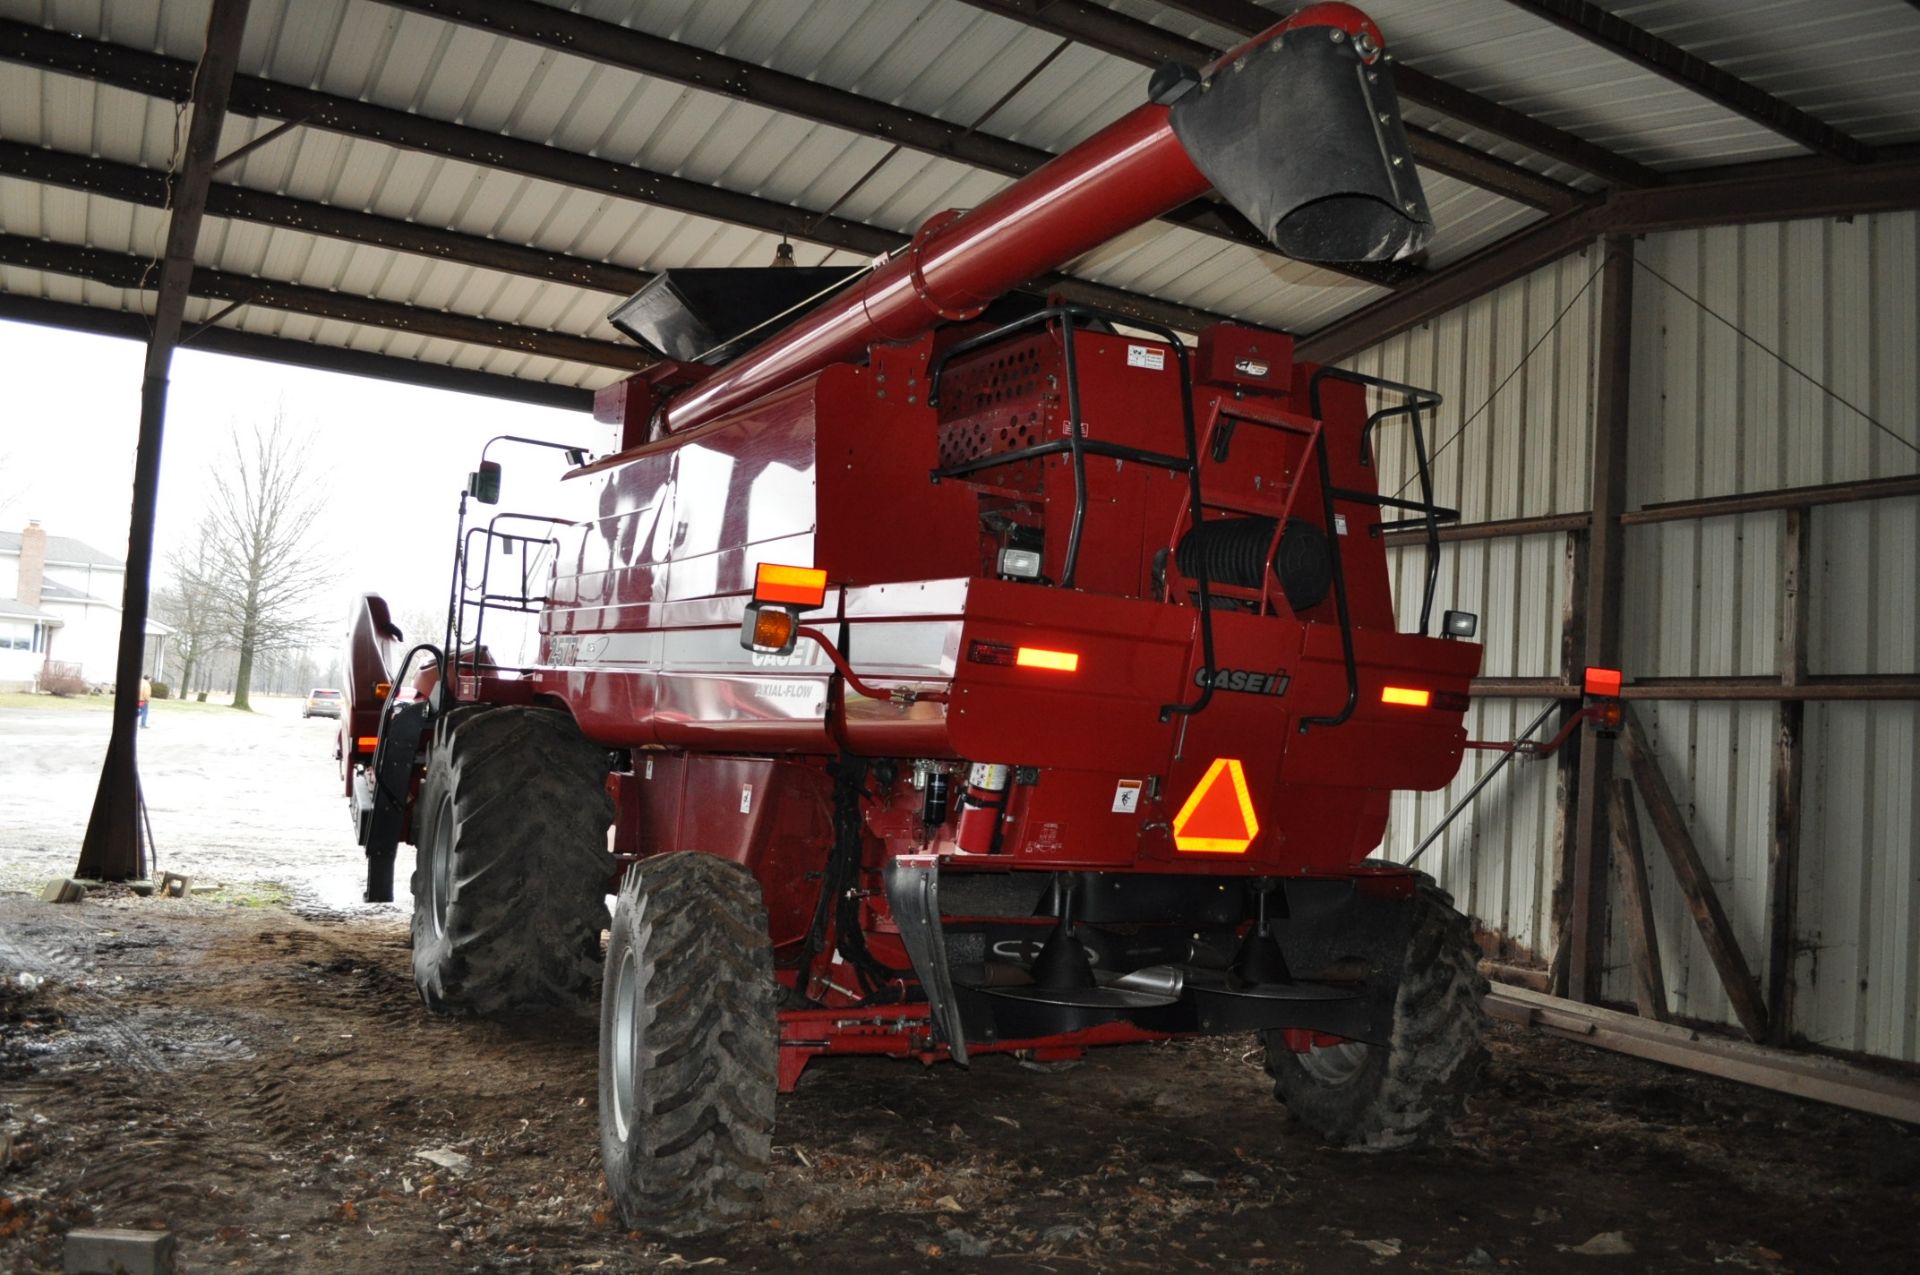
392	775
913	892
1304	137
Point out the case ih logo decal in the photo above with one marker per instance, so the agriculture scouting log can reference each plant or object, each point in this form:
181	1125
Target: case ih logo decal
1251	367
1251	681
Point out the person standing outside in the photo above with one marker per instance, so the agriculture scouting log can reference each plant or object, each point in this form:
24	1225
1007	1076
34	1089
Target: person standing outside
146	693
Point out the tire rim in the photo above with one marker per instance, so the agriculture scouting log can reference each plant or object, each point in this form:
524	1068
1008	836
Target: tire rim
440	887
1335	1065
626	1043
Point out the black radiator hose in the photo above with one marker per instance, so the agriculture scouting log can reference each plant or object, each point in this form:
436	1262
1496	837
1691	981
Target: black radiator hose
1233	552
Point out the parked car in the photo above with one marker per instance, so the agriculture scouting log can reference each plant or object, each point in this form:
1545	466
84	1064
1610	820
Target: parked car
322	703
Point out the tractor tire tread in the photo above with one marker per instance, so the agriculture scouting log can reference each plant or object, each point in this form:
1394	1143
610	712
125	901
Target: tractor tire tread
1411	1090
695	1158
531	866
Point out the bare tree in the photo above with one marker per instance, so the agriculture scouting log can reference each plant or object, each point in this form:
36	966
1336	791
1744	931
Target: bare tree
187	603
269	572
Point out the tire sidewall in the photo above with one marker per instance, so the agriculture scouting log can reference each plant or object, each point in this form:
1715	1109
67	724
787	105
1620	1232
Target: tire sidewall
433	955
624	940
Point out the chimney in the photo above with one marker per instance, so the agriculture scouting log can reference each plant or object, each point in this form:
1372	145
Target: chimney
33	563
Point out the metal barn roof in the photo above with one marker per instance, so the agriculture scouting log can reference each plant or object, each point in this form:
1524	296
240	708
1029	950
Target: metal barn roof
470	186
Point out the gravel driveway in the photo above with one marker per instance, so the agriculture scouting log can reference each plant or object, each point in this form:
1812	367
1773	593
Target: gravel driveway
235	798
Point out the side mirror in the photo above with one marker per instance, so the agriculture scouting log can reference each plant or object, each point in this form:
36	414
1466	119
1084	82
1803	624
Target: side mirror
483	484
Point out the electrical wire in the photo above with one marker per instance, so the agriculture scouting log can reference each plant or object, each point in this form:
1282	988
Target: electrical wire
1783	361
1506	380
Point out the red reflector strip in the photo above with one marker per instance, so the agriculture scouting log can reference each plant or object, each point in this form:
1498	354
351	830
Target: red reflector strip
1603	681
789	586
1040	657
999	653
1412	697
367	743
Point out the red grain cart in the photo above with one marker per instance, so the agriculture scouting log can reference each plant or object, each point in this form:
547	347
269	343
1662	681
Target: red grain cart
959	671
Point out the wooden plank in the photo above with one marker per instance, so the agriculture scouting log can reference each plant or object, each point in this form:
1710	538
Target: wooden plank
1604	582
1702	900
1783	858
1566	764
1807	1076
1643	943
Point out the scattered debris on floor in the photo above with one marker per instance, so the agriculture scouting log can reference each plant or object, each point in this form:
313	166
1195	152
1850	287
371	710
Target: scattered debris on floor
264	1086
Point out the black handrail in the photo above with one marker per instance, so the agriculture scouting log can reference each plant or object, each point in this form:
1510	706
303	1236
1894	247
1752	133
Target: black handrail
1078	448
1432	515
464	595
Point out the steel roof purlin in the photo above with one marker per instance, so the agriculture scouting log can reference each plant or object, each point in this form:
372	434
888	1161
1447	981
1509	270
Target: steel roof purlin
469	183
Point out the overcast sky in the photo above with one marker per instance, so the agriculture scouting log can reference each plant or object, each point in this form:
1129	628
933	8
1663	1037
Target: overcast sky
392	458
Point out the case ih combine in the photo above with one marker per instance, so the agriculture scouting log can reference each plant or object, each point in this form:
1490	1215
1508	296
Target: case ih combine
956	672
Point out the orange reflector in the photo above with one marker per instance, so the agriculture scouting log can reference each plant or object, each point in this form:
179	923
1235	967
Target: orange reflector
367	743
1218	817
804	587
1603	681
381	689
773	628
1040	657
1411	697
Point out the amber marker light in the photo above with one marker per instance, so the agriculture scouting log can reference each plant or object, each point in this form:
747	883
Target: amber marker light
1407	695
1040	657
368	743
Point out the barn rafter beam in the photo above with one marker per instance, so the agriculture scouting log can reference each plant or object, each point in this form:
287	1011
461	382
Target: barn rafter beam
1691	201
123	270
101	321
611	44
1664	58
134	184
1122	36
159	76
1481	113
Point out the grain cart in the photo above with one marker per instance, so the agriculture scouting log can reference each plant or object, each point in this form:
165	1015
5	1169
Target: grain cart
958	671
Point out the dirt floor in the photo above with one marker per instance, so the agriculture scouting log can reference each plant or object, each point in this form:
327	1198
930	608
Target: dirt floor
251	1069
266	1085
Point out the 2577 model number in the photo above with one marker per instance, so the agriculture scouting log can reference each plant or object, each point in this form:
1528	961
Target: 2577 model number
1251	681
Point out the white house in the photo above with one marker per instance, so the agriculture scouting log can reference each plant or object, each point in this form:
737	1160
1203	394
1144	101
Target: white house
60	603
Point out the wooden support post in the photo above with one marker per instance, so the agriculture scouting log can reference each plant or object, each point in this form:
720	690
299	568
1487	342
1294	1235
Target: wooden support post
1783	860
1587	931
1566	765
113	849
1643	944
1702	900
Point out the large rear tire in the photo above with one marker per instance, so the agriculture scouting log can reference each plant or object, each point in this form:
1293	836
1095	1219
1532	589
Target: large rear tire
1409	1091
689	1046
512	870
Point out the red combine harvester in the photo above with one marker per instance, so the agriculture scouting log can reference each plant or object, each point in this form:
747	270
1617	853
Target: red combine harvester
957	671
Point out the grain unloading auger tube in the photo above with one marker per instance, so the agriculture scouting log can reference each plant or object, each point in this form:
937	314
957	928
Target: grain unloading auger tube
1299	129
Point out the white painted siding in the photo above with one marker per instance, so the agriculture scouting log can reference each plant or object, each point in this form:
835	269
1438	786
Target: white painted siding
1713	413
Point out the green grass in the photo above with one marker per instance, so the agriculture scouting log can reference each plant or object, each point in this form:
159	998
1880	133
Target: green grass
252	894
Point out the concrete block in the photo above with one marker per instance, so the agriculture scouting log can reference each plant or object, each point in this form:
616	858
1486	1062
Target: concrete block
109	1251
63	890
173	885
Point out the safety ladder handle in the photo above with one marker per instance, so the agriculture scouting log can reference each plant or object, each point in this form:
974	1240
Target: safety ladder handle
465	596
1418	400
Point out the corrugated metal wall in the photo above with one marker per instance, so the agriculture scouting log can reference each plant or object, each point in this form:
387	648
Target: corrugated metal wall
1712	413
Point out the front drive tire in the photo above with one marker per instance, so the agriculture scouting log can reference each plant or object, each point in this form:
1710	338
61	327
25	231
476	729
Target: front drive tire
512	870
689	1046
1407	1092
